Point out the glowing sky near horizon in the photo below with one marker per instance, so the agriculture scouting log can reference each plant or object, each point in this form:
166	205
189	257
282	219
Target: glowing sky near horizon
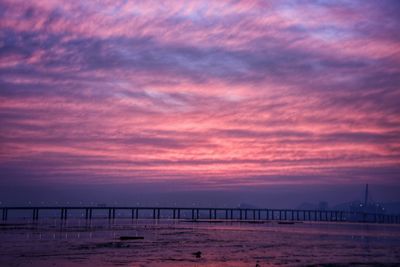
201	94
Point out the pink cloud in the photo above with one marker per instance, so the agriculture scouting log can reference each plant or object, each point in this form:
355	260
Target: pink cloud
241	94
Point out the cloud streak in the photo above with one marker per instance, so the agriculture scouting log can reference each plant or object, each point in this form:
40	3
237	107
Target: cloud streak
238	93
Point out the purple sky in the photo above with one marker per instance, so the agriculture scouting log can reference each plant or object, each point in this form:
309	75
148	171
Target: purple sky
200	95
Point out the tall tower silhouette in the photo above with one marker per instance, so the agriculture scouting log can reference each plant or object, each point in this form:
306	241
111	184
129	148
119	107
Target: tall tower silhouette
366	196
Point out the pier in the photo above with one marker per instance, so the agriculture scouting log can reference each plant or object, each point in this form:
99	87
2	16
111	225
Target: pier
198	214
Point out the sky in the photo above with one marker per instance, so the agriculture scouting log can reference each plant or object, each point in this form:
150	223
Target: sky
199	95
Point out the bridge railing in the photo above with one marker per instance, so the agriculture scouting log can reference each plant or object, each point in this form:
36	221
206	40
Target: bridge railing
203	213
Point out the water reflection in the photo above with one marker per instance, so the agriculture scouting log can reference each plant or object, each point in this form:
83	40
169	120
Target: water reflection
78	242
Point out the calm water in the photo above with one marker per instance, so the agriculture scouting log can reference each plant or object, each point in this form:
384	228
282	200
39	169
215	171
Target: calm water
166	243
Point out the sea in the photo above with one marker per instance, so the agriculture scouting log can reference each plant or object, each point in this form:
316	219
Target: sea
127	242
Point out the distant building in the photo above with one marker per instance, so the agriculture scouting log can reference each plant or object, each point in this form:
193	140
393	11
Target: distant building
323	205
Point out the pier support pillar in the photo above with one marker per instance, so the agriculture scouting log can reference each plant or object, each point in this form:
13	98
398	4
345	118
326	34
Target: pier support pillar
64	214
35	214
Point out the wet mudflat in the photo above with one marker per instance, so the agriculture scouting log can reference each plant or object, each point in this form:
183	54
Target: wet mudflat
147	243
